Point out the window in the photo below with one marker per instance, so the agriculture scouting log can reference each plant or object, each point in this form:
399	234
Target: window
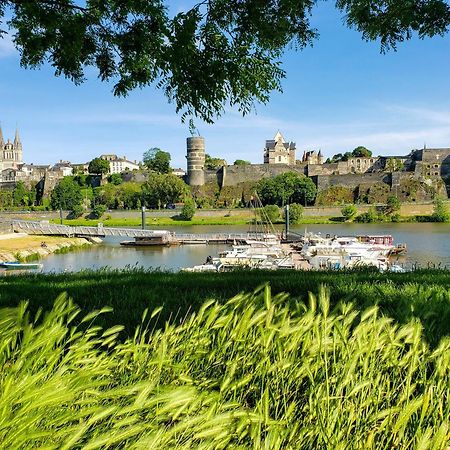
428	173
436	173
436	165
279	158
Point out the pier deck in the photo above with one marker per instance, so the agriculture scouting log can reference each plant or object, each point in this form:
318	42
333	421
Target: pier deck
167	237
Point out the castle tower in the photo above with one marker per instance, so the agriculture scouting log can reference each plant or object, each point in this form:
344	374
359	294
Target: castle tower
320	157
278	151
195	161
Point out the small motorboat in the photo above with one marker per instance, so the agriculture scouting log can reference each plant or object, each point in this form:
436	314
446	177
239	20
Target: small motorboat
20	265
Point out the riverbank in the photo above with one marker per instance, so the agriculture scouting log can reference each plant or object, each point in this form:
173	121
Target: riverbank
409	212
23	247
176	222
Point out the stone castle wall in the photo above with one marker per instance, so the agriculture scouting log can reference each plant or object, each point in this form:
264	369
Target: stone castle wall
232	175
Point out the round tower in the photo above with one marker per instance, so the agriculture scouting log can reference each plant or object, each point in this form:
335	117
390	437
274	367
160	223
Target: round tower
195	161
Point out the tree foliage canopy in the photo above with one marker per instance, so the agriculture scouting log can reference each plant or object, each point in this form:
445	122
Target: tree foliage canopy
358	152
98	166
287	188
219	52
161	189
157	160
66	194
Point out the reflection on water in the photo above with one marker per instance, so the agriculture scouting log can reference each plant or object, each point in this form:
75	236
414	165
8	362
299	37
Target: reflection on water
428	243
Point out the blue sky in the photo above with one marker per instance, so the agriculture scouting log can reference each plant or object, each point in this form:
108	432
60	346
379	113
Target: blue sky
337	95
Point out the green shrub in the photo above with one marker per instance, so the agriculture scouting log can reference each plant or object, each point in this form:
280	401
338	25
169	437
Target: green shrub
349	212
295	213
77	211
98	211
440	212
270	213
392	205
188	210
368	217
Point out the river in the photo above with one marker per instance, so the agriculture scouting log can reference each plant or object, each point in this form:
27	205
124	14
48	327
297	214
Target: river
428	244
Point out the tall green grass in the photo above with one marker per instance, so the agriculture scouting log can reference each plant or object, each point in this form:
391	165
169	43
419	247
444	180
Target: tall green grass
259	371
423	294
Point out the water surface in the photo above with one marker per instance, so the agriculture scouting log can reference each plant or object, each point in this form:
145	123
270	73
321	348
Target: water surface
428	244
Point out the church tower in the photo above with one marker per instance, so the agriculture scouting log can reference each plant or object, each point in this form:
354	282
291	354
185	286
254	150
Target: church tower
17	149
11	154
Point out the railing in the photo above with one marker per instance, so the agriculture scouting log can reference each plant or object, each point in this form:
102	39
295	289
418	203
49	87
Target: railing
46	228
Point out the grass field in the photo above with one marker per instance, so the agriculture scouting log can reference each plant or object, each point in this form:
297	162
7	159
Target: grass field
362	364
424	294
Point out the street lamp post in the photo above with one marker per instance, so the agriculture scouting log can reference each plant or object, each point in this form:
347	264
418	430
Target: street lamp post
286	225
143	217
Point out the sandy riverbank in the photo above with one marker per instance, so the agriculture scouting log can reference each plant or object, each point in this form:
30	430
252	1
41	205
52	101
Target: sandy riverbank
21	246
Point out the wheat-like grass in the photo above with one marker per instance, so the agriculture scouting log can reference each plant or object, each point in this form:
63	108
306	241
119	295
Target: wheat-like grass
253	373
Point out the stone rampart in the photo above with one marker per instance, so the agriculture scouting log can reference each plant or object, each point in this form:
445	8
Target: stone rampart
233	175
351	180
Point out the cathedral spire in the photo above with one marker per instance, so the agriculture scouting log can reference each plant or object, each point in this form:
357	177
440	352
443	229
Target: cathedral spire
17	142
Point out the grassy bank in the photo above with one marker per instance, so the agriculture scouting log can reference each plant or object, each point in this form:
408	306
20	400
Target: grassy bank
173	221
260	371
424	294
22	247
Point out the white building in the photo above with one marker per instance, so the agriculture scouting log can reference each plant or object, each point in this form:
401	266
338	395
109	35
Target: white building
120	164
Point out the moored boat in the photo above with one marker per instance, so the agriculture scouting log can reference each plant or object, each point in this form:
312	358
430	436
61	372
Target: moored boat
20	265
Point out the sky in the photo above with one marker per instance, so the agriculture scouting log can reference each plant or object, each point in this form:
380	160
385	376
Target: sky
337	95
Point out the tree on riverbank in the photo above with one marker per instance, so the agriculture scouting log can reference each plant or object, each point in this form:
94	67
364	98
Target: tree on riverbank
66	195
204	58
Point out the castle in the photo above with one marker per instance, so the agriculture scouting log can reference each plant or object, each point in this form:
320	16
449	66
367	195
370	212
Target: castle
425	170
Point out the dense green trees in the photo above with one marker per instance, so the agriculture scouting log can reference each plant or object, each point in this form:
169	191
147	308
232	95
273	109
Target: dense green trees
66	194
217	53
115	178
361	152
124	196
99	166
358	152
161	189
157	160
288	187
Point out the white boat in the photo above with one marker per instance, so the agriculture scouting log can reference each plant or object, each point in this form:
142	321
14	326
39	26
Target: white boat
20	265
